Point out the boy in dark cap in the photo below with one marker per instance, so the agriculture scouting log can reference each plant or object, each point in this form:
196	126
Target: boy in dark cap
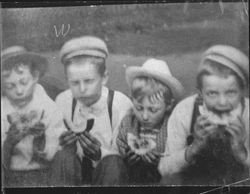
208	133
92	112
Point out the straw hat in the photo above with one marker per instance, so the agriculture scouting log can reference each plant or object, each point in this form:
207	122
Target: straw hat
15	54
85	45
159	70
229	57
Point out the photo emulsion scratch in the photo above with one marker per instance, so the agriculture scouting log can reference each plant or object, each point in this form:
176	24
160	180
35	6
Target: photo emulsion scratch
126	95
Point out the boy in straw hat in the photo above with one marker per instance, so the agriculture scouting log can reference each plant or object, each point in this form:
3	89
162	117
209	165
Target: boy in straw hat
92	113
143	132
208	133
30	121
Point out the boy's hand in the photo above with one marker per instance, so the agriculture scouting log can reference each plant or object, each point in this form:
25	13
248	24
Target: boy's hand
39	156
131	158
202	130
151	157
90	145
67	138
14	135
37	130
238	135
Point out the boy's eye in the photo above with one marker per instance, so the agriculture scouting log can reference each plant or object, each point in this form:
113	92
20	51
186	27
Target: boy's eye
139	108
212	94
89	81
153	110
24	81
8	86
73	83
231	92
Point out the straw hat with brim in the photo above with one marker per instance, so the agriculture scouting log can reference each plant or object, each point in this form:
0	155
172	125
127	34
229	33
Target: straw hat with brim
158	70
17	54
229	57
85	45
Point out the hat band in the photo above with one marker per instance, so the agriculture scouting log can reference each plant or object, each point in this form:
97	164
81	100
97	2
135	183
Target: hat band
236	68
12	54
86	51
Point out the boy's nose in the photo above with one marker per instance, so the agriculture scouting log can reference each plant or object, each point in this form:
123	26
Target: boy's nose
19	91
82	87
145	116
222	100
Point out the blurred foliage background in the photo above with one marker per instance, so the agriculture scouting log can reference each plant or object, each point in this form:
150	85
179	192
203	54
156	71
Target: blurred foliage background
183	26
175	32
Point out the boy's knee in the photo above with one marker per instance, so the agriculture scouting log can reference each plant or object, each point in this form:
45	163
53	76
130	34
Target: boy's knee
110	171
65	168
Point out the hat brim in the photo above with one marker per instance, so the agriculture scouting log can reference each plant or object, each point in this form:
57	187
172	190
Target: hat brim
227	63
174	85
40	62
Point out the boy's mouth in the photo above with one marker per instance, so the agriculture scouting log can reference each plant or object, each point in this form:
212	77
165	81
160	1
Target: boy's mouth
22	101
147	126
221	111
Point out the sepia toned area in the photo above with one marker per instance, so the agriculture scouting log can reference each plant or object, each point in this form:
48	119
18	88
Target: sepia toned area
176	32
150	119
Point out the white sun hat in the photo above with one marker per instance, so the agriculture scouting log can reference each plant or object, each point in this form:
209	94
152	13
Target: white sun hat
158	70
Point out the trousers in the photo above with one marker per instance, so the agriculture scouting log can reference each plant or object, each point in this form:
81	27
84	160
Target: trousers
66	170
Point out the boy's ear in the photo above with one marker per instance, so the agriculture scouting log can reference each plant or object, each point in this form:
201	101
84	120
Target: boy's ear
199	92
170	105
36	75
105	78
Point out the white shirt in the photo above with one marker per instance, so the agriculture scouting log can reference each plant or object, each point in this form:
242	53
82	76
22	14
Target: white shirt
102	129
179	129
53	120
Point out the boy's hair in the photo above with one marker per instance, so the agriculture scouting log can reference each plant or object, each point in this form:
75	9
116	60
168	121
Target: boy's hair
14	65
99	62
214	68
145	86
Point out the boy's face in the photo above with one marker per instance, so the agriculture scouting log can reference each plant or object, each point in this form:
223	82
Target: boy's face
19	85
149	114
85	82
220	94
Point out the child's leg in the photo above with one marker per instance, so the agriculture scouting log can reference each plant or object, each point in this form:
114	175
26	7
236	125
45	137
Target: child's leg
143	174
110	171
31	178
66	169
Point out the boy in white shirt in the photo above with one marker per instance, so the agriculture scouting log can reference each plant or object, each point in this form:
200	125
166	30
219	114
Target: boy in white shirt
92	112
30	121
208	133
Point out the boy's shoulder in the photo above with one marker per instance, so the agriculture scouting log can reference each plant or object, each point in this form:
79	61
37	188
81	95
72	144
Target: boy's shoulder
121	99
42	98
246	101
187	102
64	97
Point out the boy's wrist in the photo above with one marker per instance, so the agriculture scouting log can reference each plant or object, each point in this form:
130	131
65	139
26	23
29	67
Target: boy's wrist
10	142
191	151
240	152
